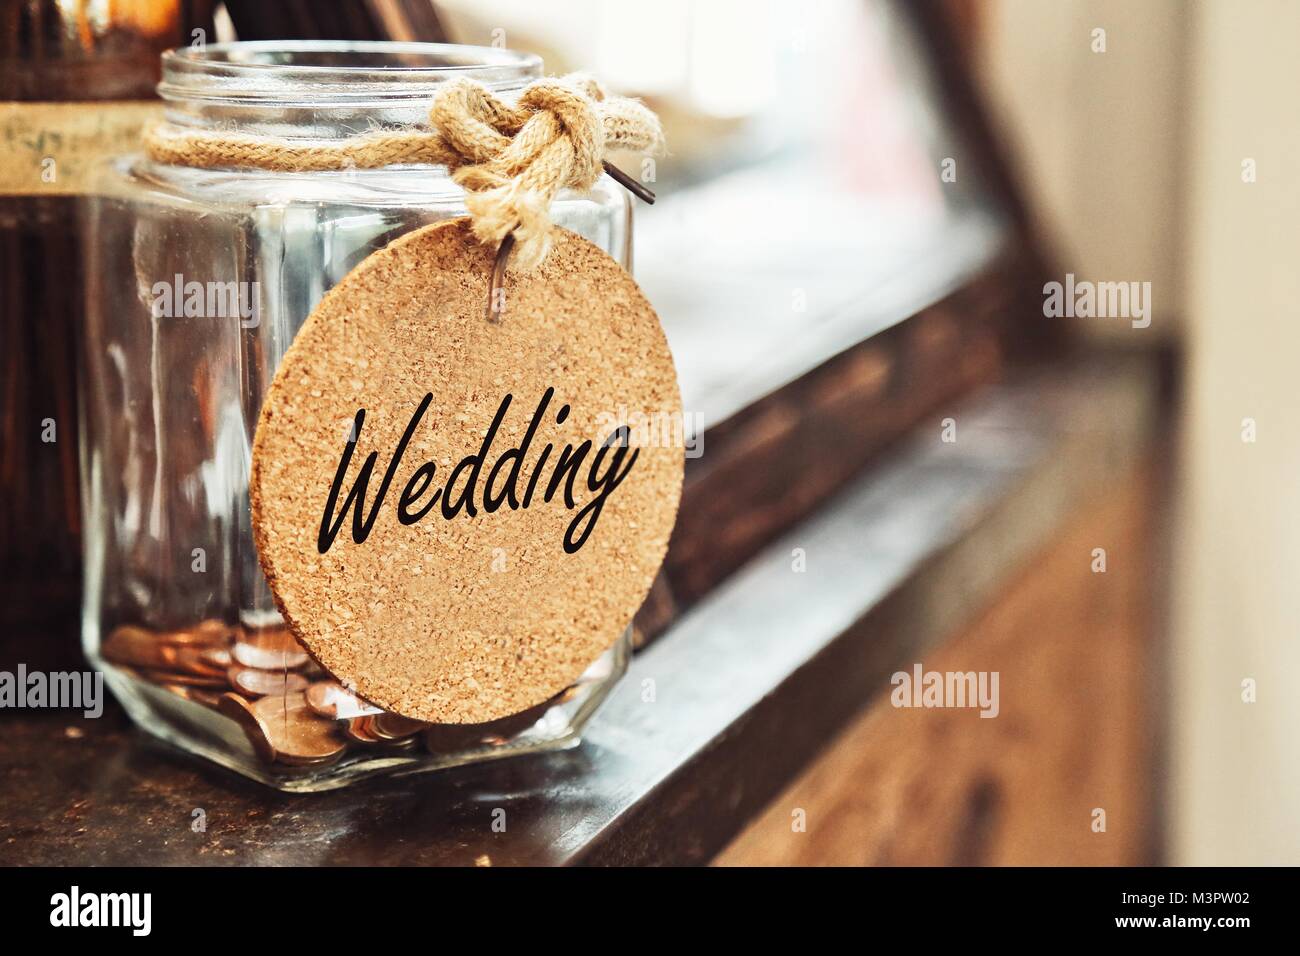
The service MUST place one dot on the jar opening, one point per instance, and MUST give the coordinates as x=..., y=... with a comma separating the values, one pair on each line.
x=328, y=72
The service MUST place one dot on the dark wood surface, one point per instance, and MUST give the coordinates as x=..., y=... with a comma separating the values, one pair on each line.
x=776, y=461
x=1076, y=652
x=749, y=685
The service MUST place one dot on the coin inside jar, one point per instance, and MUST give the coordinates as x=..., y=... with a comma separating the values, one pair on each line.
x=268, y=650
x=258, y=683
x=296, y=733
x=196, y=660
x=137, y=647
x=241, y=712
x=359, y=730
x=134, y=646
x=209, y=633
x=395, y=727
x=291, y=712
x=190, y=680
x=217, y=657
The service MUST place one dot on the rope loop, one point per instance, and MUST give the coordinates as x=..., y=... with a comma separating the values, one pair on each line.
x=511, y=160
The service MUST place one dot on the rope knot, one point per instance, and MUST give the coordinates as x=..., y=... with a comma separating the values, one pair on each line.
x=513, y=160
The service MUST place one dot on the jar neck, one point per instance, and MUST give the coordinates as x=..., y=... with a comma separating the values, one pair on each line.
x=323, y=89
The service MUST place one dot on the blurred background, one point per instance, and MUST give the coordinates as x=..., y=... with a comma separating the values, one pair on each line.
x=1130, y=160
x=837, y=168
x=1139, y=163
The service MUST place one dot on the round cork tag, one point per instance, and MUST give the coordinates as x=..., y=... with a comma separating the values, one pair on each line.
x=457, y=515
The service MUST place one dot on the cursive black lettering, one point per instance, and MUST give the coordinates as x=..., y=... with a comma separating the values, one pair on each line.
x=516, y=457
x=603, y=484
x=474, y=463
x=356, y=497
x=605, y=471
x=411, y=493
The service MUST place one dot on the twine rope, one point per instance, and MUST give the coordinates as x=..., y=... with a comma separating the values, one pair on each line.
x=511, y=160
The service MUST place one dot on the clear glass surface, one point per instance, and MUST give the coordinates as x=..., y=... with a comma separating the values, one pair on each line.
x=175, y=603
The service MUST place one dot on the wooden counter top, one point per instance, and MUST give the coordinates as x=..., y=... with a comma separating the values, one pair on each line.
x=713, y=719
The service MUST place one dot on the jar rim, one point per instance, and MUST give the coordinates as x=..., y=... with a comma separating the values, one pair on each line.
x=334, y=71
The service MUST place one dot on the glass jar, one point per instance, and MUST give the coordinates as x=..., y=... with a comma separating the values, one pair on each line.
x=176, y=611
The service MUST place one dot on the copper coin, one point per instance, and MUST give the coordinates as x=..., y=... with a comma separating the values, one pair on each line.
x=364, y=730
x=359, y=729
x=331, y=699
x=241, y=712
x=137, y=647
x=218, y=657
x=298, y=735
x=188, y=680
x=395, y=726
x=195, y=660
x=209, y=633
x=269, y=650
x=255, y=683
